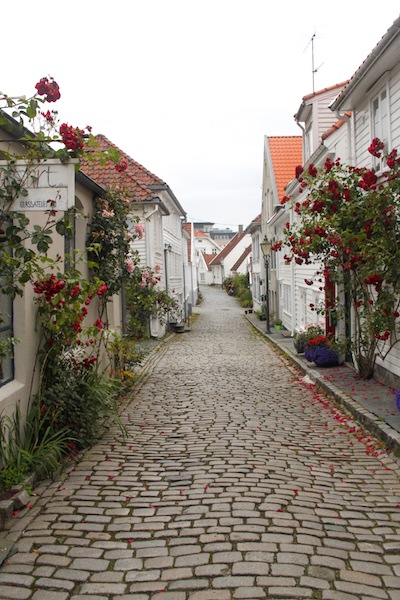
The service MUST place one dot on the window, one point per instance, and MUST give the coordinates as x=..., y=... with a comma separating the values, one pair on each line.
x=303, y=307
x=286, y=298
x=202, y=277
x=380, y=121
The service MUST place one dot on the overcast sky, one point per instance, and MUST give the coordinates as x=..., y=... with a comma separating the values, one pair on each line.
x=189, y=88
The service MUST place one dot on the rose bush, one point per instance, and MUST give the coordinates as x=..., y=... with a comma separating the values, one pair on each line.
x=348, y=220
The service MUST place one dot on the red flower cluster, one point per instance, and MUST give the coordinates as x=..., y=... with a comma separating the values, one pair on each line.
x=376, y=147
x=72, y=137
x=318, y=341
x=298, y=171
x=102, y=290
x=285, y=199
x=49, y=88
x=49, y=116
x=392, y=160
x=312, y=170
x=368, y=181
x=121, y=166
x=321, y=231
x=328, y=165
x=383, y=336
x=49, y=287
x=74, y=292
x=276, y=246
x=374, y=279
x=99, y=324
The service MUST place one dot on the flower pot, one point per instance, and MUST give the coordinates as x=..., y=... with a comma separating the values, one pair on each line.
x=278, y=327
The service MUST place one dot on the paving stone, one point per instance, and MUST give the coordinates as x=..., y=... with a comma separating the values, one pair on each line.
x=212, y=495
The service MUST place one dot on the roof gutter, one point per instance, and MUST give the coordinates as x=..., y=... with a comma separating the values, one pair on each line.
x=157, y=202
x=165, y=188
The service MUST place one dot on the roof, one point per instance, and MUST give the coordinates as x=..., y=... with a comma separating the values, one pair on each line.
x=335, y=126
x=306, y=104
x=208, y=259
x=200, y=234
x=324, y=90
x=218, y=258
x=382, y=59
x=241, y=258
x=286, y=153
x=107, y=177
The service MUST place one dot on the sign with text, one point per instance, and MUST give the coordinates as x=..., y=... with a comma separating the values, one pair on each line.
x=50, y=185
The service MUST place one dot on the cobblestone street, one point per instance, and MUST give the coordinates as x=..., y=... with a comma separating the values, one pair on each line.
x=238, y=480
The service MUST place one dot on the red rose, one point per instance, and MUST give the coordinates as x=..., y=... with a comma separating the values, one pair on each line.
x=298, y=171
x=312, y=171
x=49, y=88
x=72, y=137
x=376, y=147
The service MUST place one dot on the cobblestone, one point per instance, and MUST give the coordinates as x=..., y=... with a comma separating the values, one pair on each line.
x=238, y=480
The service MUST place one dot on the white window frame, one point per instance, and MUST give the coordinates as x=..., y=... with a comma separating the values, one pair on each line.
x=380, y=121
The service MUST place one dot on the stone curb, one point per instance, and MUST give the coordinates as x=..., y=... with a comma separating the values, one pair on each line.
x=381, y=430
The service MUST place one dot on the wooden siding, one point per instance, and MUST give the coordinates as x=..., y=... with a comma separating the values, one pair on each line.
x=394, y=104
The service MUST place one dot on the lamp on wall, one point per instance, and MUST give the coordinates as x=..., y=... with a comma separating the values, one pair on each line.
x=265, y=249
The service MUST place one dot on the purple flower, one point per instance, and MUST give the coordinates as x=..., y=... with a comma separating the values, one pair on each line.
x=397, y=396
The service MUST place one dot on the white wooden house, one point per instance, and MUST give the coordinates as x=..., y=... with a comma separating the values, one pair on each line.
x=221, y=265
x=160, y=213
x=17, y=381
x=281, y=155
x=373, y=98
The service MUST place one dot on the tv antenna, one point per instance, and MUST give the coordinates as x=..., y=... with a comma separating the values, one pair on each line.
x=313, y=69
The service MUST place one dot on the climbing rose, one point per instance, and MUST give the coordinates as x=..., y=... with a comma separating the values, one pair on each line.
x=102, y=290
x=369, y=180
x=139, y=230
x=48, y=88
x=298, y=171
x=376, y=147
x=312, y=171
x=72, y=137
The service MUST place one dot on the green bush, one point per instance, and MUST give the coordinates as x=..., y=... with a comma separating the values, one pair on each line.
x=241, y=289
x=78, y=398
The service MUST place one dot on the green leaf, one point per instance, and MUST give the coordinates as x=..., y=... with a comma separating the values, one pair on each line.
x=31, y=109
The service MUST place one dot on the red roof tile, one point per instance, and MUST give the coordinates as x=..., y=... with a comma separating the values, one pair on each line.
x=136, y=179
x=335, y=126
x=327, y=89
x=286, y=153
x=208, y=258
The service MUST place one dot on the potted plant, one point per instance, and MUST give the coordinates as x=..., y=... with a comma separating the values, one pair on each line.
x=302, y=336
x=320, y=351
x=278, y=324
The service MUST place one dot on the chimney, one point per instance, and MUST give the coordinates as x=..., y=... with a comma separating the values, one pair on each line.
x=240, y=229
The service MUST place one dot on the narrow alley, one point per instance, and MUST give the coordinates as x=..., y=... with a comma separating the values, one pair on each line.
x=238, y=480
